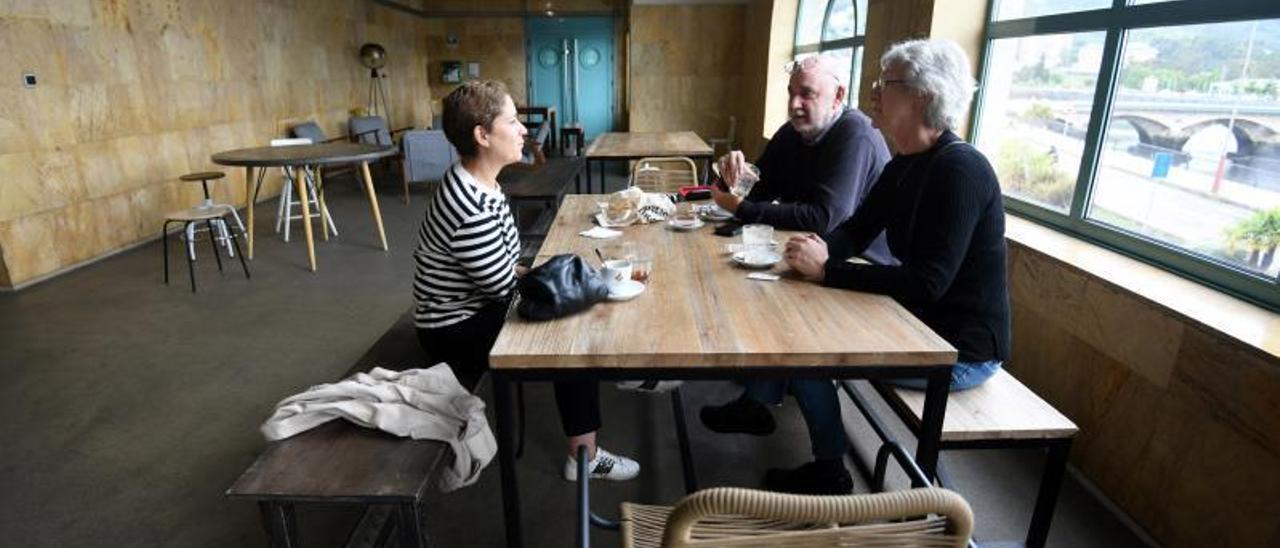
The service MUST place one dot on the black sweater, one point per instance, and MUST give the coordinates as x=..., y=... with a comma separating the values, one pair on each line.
x=944, y=219
x=819, y=185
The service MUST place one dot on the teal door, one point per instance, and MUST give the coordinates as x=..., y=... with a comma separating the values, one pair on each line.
x=570, y=62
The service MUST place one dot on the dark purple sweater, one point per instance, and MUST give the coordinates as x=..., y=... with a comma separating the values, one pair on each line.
x=818, y=186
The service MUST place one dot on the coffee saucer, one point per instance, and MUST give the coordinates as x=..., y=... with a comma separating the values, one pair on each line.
x=694, y=224
x=626, y=291
x=756, y=259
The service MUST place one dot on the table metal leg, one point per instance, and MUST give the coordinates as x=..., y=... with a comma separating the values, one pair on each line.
x=935, y=409
x=682, y=436
x=1055, y=466
x=281, y=526
x=588, y=176
x=249, y=195
x=507, y=460
x=373, y=203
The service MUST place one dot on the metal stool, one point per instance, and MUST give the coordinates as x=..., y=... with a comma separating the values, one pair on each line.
x=575, y=132
x=284, y=208
x=189, y=218
x=223, y=232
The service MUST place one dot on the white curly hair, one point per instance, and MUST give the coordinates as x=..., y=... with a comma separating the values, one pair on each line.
x=939, y=69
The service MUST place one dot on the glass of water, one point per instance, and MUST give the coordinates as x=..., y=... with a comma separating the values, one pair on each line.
x=746, y=180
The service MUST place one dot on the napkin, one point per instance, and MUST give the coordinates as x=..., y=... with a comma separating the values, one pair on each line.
x=600, y=233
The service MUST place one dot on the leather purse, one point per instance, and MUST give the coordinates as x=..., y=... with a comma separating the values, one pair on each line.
x=562, y=286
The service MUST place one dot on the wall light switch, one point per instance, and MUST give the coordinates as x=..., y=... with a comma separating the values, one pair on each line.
x=29, y=79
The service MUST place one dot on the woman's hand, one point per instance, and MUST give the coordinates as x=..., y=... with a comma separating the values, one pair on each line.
x=521, y=270
x=807, y=255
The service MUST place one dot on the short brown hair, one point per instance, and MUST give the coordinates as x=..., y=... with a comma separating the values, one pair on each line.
x=475, y=103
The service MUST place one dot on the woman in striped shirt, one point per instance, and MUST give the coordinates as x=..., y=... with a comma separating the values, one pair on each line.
x=466, y=265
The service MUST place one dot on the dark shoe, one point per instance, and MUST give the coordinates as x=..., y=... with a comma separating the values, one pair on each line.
x=740, y=416
x=820, y=477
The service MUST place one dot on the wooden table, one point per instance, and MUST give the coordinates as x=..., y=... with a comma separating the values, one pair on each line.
x=633, y=146
x=702, y=318
x=301, y=157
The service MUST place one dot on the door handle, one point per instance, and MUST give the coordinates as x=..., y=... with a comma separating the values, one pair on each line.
x=575, y=83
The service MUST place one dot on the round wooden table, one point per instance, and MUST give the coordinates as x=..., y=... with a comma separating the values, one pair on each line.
x=303, y=156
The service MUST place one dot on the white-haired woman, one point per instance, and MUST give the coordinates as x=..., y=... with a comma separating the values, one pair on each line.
x=938, y=201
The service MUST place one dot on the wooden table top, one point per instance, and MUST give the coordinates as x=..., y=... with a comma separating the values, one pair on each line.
x=310, y=155
x=700, y=310
x=639, y=145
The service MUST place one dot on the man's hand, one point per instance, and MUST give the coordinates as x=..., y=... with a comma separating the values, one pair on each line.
x=731, y=165
x=726, y=200
x=807, y=255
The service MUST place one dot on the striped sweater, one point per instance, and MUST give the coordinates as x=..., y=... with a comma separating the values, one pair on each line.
x=466, y=254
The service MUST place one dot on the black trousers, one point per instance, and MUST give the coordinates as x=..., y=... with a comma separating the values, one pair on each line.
x=465, y=347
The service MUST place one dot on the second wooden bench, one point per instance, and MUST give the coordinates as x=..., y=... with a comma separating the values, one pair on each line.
x=1002, y=413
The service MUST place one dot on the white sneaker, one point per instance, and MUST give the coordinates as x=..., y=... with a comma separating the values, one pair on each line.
x=606, y=465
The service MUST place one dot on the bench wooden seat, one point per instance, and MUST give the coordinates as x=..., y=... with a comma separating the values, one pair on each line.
x=1000, y=409
x=1002, y=413
x=341, y=462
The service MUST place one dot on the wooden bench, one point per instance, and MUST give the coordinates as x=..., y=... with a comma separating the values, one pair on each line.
x=1002, y=413
x=343, y=463
x=545, y=186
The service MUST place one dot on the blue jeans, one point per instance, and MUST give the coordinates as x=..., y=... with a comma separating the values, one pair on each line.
x=821, y=407
x=818, y=404
x=964, y=375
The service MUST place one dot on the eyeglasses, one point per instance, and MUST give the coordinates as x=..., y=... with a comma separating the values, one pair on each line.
x=880, y=83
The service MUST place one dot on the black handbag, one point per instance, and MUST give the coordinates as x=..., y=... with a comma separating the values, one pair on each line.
x=563, y=285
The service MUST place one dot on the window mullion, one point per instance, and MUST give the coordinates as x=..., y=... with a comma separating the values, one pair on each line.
x=1103, y=95
x=975, y=113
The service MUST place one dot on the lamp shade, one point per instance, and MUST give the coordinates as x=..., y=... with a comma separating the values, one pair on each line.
x=373, y=56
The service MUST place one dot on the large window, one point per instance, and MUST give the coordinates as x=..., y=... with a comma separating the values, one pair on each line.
x=836, y=28
x=1150, y=126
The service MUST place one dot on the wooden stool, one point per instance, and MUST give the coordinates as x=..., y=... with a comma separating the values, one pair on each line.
x=189, y=218
x=574, y=132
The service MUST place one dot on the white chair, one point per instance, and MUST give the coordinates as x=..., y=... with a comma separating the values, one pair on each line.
x=219, y=225
x=284, y=210
x=664, y=175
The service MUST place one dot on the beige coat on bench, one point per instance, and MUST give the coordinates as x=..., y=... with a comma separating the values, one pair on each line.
x=423, y=404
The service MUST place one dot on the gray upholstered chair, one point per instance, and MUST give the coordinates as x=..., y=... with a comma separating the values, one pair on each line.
x=426, y=155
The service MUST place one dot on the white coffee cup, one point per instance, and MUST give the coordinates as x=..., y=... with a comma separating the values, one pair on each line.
x=616, y=273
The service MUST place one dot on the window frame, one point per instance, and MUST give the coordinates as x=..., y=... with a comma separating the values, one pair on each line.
x=855, y=43
x=1115, y=21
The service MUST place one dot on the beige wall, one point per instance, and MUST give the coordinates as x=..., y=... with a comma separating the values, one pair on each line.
x=134, y=94
x=497, y=43
x=686, y=67
x=1179, y=425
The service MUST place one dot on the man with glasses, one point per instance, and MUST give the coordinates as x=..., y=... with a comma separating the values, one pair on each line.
x=814, y=173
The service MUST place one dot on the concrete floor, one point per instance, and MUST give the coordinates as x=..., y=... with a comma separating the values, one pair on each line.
x=130, y=406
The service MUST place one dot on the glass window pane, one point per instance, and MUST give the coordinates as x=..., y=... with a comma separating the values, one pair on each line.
x=841, y=23
x=1017, y=9
x=809, y=25
x=1037, y=100
x=855, y=79
x=862, y=16
x=1192, y=153
x=844, y=60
